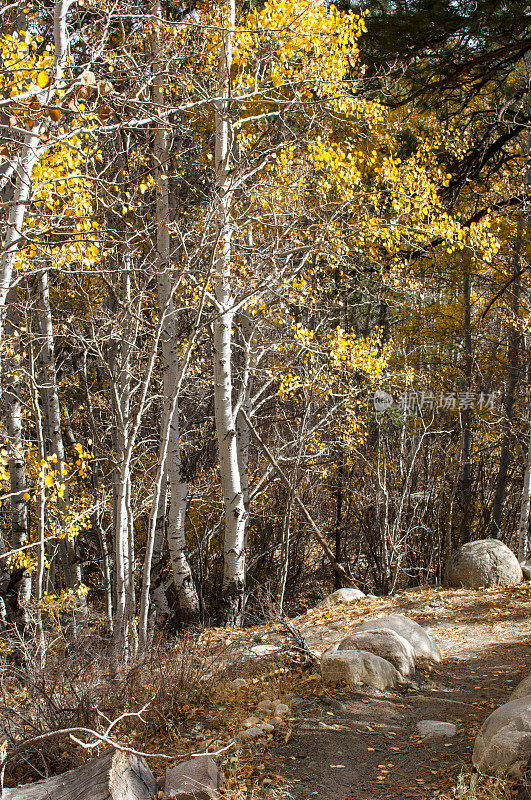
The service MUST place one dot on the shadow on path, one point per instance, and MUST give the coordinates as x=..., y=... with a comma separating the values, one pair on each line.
x=353, y=746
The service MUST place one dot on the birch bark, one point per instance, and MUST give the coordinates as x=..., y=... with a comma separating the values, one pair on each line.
x=182, y=575
x=120, y=366
x=39, y=574
x=17, y=464
x=15, y=221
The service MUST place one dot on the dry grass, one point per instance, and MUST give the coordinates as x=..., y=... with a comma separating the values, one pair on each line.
x=185, y=683
x=471, y=786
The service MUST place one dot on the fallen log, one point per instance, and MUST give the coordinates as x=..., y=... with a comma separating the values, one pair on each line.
x=114, y=776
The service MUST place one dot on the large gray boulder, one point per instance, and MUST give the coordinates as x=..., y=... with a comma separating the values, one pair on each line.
x=423, y=645
x=503, y=744
x=484, y=563
x=385, y=643
x=346, y=595
x=357, y=667
x=196, y=779
x=523, y=689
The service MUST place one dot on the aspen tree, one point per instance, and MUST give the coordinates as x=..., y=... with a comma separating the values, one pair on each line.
x=175, y=534
x=235, y=515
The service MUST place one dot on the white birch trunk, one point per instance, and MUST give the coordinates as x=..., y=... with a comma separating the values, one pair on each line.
x=15, y=220
x=29, y=155
x=127, y=427
x=175, y=533
x=39, y=574
x=235, y=518
x=52, y=424
x=17, y=464
x=245, y=402
x=170, y=451
x=120, y=371
x=121, y=530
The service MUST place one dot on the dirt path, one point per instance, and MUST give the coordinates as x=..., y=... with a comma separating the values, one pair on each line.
x=353, y=746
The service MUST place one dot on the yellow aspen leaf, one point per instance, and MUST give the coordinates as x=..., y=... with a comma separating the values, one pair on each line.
x=43, y=79
x=27, y=496
x=48, y=480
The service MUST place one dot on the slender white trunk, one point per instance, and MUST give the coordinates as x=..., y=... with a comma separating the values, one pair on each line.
x=15, y=220
x=120, y=370
x=169, y=451
x=17, y=465
x=29, y=155
x=39, y=574
x=159, y=488
x=175, y=534
x=245, y=402
x=52, y=423
x=121, y=532
x=128, y=426
x=235, y=518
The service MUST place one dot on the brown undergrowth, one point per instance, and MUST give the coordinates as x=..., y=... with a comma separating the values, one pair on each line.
x=184, y=686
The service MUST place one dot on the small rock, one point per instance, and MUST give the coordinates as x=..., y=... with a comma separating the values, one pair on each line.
x=297, y=701
x=280, y=709
x=251, y=721
x=526, y=570
x=346, y=595
x=264, y=649
x=264, y=705
x=335, y=726
x=276, y=722
x=238, y=683
x=250, y=733
x=432, y=728
x=197, y=779
x=267, y=727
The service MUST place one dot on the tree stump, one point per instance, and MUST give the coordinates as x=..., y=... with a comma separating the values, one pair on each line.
x=114, y=776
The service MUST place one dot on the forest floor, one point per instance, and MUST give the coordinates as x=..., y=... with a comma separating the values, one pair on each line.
x=346, y=745
x=335, y=744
